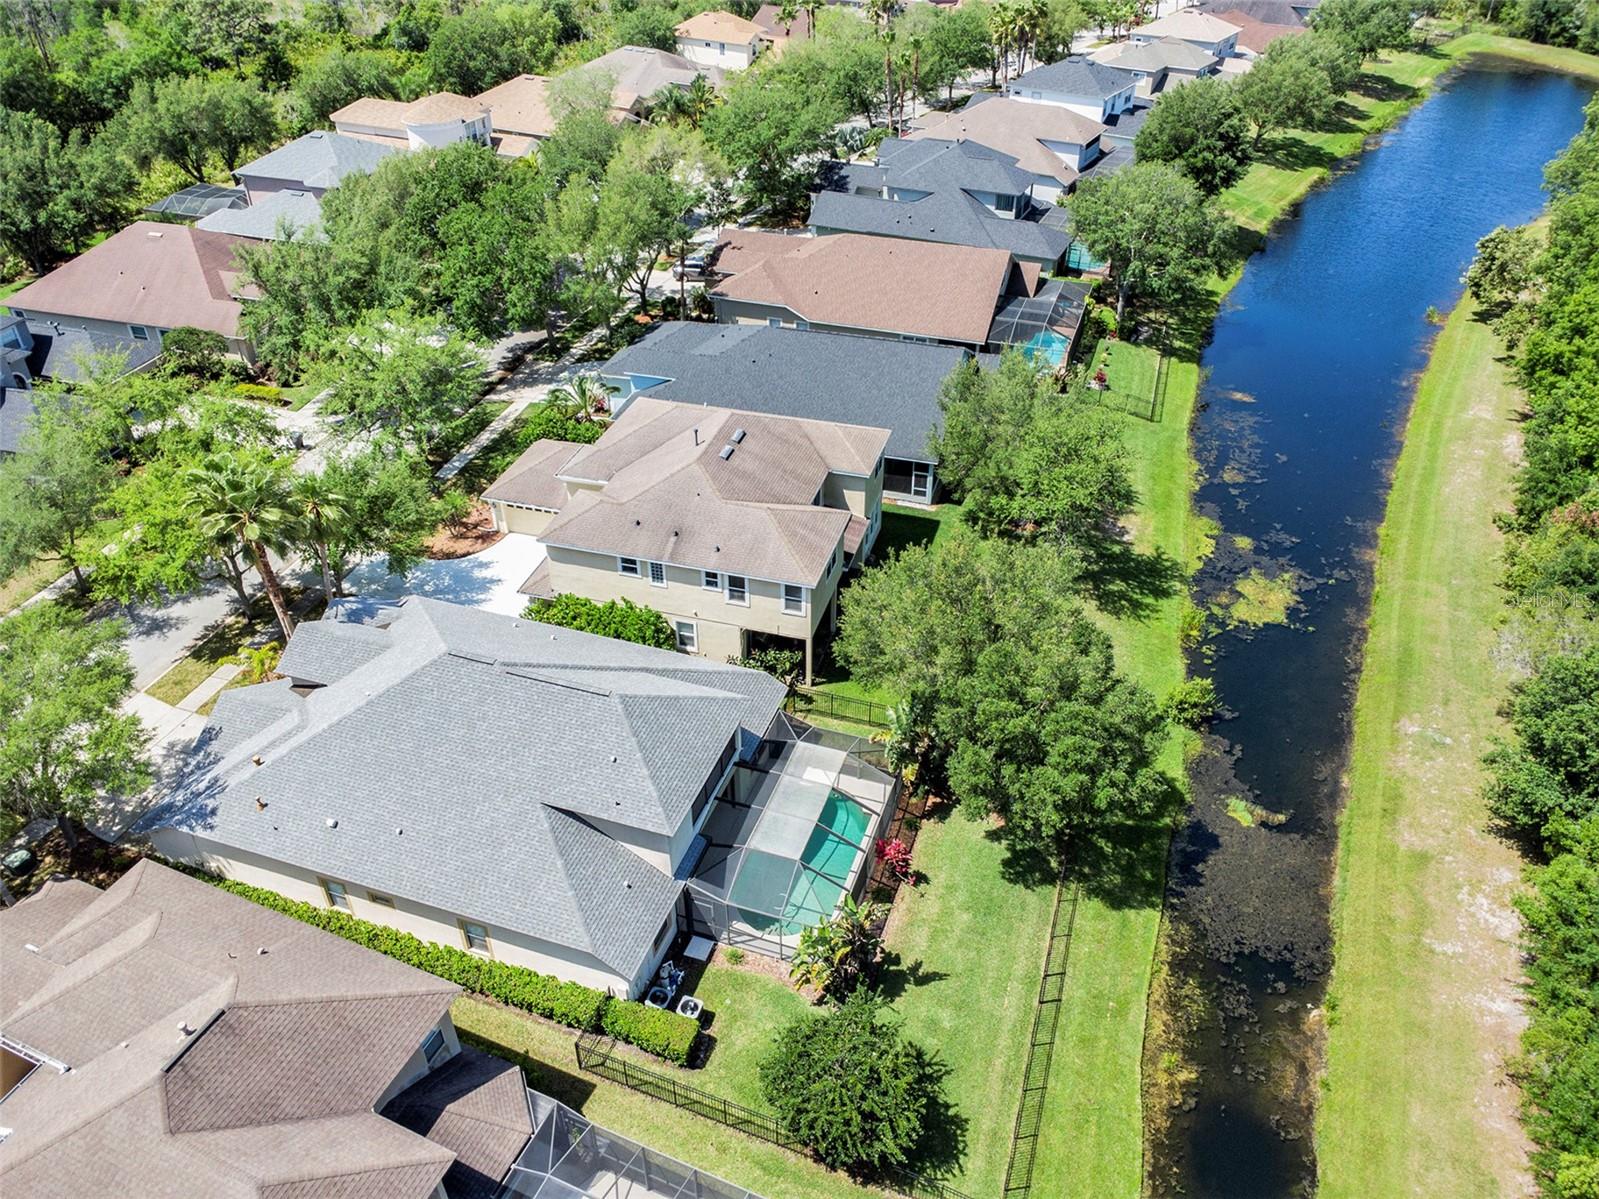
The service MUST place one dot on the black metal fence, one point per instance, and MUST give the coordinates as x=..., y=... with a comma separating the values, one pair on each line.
x=806, y=701
x=1041, y=1045
x=597, y=1055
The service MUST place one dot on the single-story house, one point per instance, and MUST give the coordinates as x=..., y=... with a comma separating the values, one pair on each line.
x=1088, y=88
x=163, y=1037
x=1053, y=143
x=1204, y=30
x=368, y=778
x=733, y=524
x=954, y=192
x=313, y=163
x=637, y=73
x=1159, y=65
x=275, y=216
x=889, y=287
x=1254, y=35
x=816, y=376
x=124, y=294
x=719, y=39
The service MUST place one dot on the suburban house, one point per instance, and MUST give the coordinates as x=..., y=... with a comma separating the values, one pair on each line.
x=1268, y=12
x=312, y=163
x=1086, y=87
x=511, y=118
x=276, y=216
x=719, y=39
x=814, y=376
x=954, y=192
x=1122, y=130
x=123, y=295
x=1254, y=35
x=1159, y=65
x=1203, y=30
x=162, y=1037
x=638, y=73
x=734, y=524
x=889, y=287
x=1054, y=144
x=774, y=34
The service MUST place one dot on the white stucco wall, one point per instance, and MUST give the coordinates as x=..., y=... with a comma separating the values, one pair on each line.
x=734, y=56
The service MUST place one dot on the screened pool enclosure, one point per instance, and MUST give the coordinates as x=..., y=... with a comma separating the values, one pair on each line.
x=792, y=836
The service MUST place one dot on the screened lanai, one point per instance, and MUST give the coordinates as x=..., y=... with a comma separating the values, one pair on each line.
x=793, y=836
x=569, y=1158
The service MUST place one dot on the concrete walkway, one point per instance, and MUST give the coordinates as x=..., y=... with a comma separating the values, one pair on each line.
x=530, y=383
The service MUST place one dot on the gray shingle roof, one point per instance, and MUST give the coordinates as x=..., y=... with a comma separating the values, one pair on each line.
x=434, y=802
x=1271, y=12
x=317, y=159
x=790, y=372
x=16, y=409
x=269, y=217
x=1073, y=76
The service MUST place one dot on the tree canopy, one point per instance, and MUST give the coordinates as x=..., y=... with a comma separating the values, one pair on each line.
x=621, y=619
x=1200, y=127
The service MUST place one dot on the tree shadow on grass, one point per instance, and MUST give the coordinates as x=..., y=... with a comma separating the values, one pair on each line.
x=1383, y=88
x=942, y=1147
x=1123, y=865
x=1124, y=581
x=895, y=977
x=1296, y=154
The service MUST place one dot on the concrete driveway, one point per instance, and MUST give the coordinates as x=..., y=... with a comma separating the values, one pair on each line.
x=487, y=580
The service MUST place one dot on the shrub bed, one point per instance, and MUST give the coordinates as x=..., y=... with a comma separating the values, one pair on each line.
x=664, y=1034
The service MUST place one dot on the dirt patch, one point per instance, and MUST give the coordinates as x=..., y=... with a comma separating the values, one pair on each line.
x=472, y=535
x=96, y=862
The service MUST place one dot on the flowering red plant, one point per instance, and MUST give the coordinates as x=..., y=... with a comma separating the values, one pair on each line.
x=896, y=856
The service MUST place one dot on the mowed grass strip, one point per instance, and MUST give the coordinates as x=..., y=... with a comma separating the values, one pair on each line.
x=1422, y=1000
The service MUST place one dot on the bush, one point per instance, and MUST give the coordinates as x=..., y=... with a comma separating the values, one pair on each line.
x=199, y=353
x=259, y=391
x=622, y=619
x=665, y=1034
x=734, y=956
x=1191, y=703
x=782, y=664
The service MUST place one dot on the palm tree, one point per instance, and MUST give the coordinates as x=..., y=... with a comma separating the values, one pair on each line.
x=245, y=500
x=887, y=37
x=323, y=514
x=878, y=12
x=787, y=14
x=582, y=397
x=1001, y=21
x=916, y=43
x=670, y=104
x=810, y=8
x=701, y=98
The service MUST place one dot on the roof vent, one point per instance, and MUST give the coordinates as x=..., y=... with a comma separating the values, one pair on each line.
x=399, y=832
x=738, y=436
x=258, y=759
x=332, y=823
x=31, y=948
x=260, y=804
x=185, y=1028
x=261, y=952
x=152, y=233
x=727, y=452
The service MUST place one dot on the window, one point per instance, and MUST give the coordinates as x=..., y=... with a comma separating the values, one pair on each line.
x=774, y=322
x=688, y=637
x=433, y=1045
x=713, y=581
x=793, y=598
x=337, y=896
x=382, y=901
x=627, y=566
x=476, y=937
x=802, y=324
x=738, y=589
x=657, y=574
x=140, y=333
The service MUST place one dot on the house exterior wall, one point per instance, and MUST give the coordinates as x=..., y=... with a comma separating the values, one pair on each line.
x=1221, y=49
x=417, y=1064
x=727, y=55
x=448, y=133
x=720, y=623
x=257, y=186
x=510, y=518
x=408, y=915
x=236, y=345
x=361, y=129
x=747, y=312
x=1094, y=108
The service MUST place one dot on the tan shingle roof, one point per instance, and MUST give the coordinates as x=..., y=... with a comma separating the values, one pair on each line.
x=477, y=1107
x=530, y=481
x=670, y=496
x=151, y=274
x=1188, y=24
x=369, y=110
x=719, y=27
x=214, y=1048
x=520, y=105
x=1019, y=129
x=441, y=107
x=925, y=289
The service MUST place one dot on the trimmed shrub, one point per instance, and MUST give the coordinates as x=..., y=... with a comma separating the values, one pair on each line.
x=259, y=391
x=664, y=1034
x=622, y=619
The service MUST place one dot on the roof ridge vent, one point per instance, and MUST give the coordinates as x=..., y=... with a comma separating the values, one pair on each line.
x=466, y=657
x=531, y=676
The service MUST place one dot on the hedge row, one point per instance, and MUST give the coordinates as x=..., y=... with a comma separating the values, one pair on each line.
x=664, y=1034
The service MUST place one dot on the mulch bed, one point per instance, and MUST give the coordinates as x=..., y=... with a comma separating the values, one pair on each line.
x=96, y=862
x=472, y=535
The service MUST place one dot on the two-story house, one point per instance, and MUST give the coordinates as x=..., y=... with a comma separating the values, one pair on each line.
x=1203, y=30
x=1078, y=83
x=1157, y=66
x=734, y=524
x=521, y=791
x=1054, y=144
x=956, y=192
x=719, y=39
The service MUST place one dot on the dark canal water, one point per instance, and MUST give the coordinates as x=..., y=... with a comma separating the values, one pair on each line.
x=1311, y=370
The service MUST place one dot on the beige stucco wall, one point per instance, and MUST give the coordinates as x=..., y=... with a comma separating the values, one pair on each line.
x=684, y=596
x=417, y=1064
x=420, y=919
x=512, y=519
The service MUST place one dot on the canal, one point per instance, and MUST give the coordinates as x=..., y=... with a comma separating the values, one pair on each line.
x=1310, y=373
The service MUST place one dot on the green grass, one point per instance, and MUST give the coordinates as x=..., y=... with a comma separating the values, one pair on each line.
x=217, y=648
x=551, y=1065
x=1423, y=982
x=16, y=285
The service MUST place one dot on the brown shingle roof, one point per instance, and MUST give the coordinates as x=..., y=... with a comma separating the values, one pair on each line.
x=1019, y=129
x=1257, y=35
x=530, y=481
x=670, y=496
x=152, y=274
x=213, y=1048
x=369, y=110
x=520, y=105
x=475, y=1106
x=925, y=289
x=441, y=107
